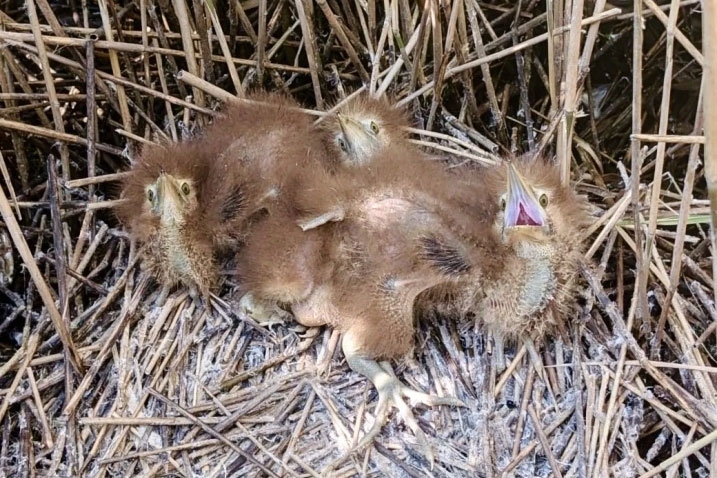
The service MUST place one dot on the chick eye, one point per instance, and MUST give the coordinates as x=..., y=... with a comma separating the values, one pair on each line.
x=343, y=145
x=502, y=204
x=150, y=195
x=374, y=127
x=186, y=189
x=543, y=200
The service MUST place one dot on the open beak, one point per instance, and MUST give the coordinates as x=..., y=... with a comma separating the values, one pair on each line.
x=522, y=207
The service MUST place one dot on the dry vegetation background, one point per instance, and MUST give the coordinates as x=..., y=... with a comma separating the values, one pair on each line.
x=139, y=390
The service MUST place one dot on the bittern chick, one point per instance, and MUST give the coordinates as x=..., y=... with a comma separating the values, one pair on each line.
x=362, y=275
x=275, y=148
x=539, y=228
x=372, y=133
x=163, y=209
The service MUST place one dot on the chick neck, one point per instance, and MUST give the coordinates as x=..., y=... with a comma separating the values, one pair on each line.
x=172, y=233
x=172, y=216
x=539, y=282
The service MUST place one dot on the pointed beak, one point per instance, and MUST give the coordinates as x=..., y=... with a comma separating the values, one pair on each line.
x=168, y=193
x=342, y=122
x=350, y=127
x=522, y=207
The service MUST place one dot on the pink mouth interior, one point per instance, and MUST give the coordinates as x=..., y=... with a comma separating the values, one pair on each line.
x=525, y=219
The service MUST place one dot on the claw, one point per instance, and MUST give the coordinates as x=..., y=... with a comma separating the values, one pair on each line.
x=265, y=314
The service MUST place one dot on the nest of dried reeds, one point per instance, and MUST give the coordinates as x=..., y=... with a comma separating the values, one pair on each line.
x=95, y=380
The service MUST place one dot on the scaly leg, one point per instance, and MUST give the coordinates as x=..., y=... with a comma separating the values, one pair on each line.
x=391, y=392
x=499, y=352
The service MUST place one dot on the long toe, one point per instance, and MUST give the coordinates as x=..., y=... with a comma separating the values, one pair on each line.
x=417, y=397
x=264, y=314
x=409, y=419
x=384, y=404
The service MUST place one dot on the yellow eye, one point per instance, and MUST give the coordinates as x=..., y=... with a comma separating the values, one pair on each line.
x=150, y=195
x=186, y=189
x=543, y=200
x=374, y=127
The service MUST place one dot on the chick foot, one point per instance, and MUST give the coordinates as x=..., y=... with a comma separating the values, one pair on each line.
x=392, y=393
x=264, y=313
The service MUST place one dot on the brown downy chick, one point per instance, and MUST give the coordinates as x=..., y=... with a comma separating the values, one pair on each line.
x=164, y=197
x=362, y=275
x=249, y=160
x=539, y=232
x=364, y=128
x=368, y=135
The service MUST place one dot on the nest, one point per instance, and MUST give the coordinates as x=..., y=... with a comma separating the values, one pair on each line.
x=96, y=380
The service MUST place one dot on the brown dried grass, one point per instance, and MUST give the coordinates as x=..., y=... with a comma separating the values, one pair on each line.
x=97, y=381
